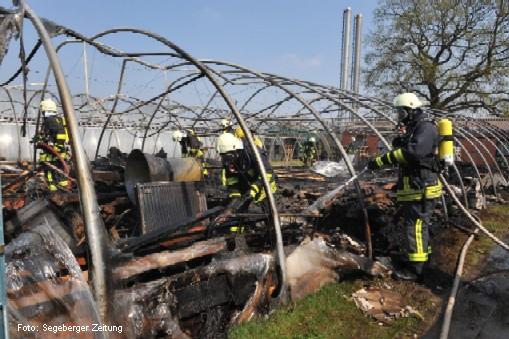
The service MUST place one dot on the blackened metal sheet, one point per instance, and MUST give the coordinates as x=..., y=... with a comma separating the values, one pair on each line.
x=165, y=204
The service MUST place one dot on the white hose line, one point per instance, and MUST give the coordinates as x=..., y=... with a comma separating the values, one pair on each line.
x=444, y=333
x=469, y=216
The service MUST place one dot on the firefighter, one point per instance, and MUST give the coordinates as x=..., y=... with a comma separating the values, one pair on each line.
x=54, y=134
x=240, y=175
x=308, y=151
x=239, y=133
x=191, y=146
x=418, y=186
x=227, y=126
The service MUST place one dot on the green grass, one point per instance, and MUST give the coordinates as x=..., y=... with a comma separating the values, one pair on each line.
x=330, y=313
x=495, y=218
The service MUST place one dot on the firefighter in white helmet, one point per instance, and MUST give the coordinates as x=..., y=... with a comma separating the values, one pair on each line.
x=53, y=134
x=308, y=152
x=240, y=174
x=227, y=125
x=418, y=187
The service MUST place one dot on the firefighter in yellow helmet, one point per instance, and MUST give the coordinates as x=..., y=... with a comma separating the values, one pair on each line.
x=418, y=187
x=240, y=174
x=191, y=146
x=239, y=133
x=53, y=134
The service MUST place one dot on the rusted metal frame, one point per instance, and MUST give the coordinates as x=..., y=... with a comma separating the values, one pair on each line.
x=170, y=89
x=357, y=99
x=108, y=118
x=98, y=240
x=343, y=106
x=497, y=137
x=465, y=131
x=481, y=155
x=249, y=137
x=349, y=165
x=108, y=50
x=18, y=132
x=255, y=93
x=497, y=131
x=200, y=115
x=156, y=109
x=189, y=109
x=462, y=185
x=472, y=162
x=273, y=107
x=499, y=150
x=302, y=101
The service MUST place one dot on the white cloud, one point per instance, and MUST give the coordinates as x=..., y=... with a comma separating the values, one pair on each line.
x=302, y=62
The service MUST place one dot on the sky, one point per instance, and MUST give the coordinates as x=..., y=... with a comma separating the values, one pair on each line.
x=295, y=38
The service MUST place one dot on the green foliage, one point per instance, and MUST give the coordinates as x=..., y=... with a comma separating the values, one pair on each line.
x=330, y=313
x=452, y=53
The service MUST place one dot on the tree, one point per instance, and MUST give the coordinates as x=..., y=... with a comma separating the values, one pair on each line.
x=454, y=53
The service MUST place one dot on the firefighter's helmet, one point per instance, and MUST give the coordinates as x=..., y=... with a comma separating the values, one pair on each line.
x=48, y=107
x=409, y=100
x=228, y=142
x=178, y=135
x=226, y=123
x=239, y=132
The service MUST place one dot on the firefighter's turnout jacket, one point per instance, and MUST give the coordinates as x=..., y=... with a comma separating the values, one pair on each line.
x=240, y=174
x=308, y=153
x=191, y=146
x=54, y=133
x=418, y=186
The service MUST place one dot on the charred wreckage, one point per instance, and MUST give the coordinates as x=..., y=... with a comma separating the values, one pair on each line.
x=138, y=243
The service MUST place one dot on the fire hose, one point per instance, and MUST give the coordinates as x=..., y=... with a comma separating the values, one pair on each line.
x=49, y=149
x=452, y=297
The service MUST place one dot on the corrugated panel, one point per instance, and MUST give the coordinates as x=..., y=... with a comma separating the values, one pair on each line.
x=165, y=204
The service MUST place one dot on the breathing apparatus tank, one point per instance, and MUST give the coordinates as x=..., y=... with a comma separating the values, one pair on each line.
x=446, y=146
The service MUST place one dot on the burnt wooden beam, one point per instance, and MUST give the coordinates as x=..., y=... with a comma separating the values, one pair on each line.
x=163, y=259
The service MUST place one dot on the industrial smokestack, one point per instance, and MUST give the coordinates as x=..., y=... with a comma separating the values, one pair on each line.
x=356, y=64
x=345, y=49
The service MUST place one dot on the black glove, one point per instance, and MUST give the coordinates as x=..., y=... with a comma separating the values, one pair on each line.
x=372, y=165
x=397, y=142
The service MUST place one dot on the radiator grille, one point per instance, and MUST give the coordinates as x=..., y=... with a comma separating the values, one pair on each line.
x=165, y=204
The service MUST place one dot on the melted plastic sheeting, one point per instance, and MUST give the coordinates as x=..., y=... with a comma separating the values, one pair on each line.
x=329, y=169
x=314, y=264
x=45, y=288
x=7, y=30
x=148, y=310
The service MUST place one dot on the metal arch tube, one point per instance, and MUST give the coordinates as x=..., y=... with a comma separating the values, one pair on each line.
x=343, y=106
x=357, y=99
x=482, y=158
x=170, y=89
x=501, y=135
x=492, y=134
x=249, y=137
x=471, y=135
x=98, y=240
x=472, y=162
x=349, y=165
x=460, y=179
x=119, y=88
